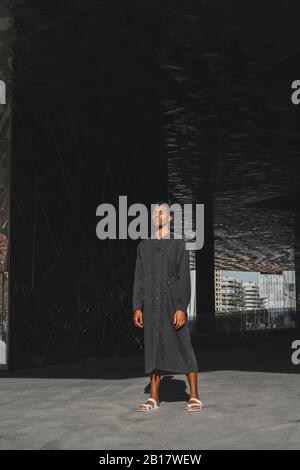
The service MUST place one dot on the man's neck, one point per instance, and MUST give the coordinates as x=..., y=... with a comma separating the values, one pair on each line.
x=162, y=232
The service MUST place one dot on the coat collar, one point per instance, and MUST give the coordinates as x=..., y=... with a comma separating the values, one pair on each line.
x=161, y=244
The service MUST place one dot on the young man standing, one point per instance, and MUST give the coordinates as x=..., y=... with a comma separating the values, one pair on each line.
x=161, y=295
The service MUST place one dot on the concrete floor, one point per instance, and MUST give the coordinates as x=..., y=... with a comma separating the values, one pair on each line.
x=251, y=394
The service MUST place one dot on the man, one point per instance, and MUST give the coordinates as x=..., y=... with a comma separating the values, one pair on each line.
x=161, y=295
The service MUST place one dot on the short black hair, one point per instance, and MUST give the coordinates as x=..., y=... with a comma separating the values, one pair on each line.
x=162, y=201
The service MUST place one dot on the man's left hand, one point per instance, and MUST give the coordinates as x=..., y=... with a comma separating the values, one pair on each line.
x=179, y=319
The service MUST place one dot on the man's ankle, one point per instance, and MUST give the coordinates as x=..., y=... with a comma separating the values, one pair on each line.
x=154, y=396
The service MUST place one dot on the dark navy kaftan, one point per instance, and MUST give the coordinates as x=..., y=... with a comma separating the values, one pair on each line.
x=162, y=285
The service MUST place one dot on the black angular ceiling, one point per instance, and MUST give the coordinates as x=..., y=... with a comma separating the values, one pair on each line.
x=224, y=71
x=232, y=131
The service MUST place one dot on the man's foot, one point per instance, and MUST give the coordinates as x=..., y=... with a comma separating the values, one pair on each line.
x=145, y=406
x=194, y=404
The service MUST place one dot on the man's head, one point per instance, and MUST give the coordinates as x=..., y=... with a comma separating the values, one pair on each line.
x=161, y=213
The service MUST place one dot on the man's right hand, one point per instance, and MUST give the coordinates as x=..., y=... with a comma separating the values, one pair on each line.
x=138, y=318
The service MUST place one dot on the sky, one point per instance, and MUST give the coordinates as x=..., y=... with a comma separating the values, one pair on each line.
x=242, y=275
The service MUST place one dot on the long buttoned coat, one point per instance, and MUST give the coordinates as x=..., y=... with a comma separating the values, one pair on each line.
x=162, y=285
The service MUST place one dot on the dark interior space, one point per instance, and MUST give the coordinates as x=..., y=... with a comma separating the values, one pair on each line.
x=190, y=102
x=87, y=126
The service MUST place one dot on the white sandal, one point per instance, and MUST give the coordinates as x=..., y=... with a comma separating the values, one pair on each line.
x=148, y=406
x=194, y=406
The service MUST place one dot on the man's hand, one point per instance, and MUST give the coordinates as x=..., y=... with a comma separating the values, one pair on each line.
x=179, y=319
x=138, y=318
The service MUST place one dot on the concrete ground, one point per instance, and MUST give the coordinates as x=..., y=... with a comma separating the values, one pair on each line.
x=251, y=393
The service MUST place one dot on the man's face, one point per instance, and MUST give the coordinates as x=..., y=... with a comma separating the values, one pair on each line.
x=160, y=215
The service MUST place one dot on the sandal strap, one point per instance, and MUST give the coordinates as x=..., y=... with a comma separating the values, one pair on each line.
x=196, y=400
x=148, y=404
x=152, y=399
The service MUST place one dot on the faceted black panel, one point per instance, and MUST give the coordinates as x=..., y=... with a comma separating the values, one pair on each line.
x=86, y=129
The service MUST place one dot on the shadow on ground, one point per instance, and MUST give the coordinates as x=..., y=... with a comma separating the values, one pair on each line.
x=267, y=352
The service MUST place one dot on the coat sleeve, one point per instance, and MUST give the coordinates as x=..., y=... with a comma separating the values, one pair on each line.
x=183, y=278
x=138, y=285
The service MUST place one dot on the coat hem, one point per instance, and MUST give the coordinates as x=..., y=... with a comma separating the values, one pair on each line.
x=164, y=371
